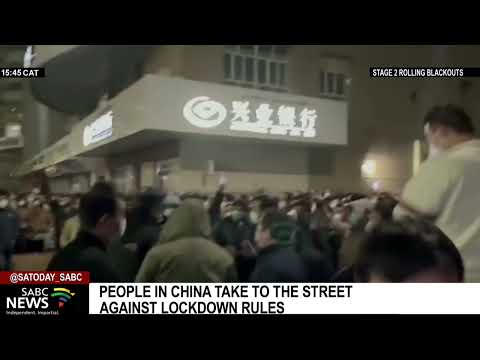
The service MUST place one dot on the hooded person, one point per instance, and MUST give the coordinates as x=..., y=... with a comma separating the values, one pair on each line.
x=184, y=252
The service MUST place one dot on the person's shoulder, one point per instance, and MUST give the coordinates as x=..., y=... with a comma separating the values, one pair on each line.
x=216, y=251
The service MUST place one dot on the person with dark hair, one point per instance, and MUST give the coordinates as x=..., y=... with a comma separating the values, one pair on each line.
x=408, y=251
x=185, y=253
x=236, y=233
x=277, y=260
x=446, y=188
x=146, y=222
x=9, y=230
x=100, y=222
x=382, y=211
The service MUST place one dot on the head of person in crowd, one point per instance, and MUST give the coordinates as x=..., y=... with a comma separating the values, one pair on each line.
x=37, y=203
x=274, y=228
x=382, y=211
x=22, y=203
x=100, y=214
x=189, y=220
x=4, y=199
x=260, y=205
x=319, y=215
x=74, y=201
x=239, y=210
x=226, y=205
x=168, y=206
x=149, y=206
x=64, y=202
x=447, y=126
x=408, y=251
x=300, y=209
x=284, y=201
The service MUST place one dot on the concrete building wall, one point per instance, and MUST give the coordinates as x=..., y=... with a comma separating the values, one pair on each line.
x=385, y=116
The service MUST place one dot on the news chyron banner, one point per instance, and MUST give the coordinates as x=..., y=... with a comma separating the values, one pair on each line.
x=43, y=293
x=66, y=294
x=283, y=299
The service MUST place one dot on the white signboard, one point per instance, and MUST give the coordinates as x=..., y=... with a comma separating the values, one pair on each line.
x=283, y=120
x=100, y=129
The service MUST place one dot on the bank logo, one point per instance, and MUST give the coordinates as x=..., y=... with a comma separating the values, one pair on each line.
x=204, y=113
x=283, y=120
x=62, y=295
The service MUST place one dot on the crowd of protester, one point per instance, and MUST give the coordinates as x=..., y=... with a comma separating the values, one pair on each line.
x=292, y=237
x=225, y=237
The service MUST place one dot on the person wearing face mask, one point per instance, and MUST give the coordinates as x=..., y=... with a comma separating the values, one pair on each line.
x=9, y=230
x=445, y=188
x=122, y=257
x=299, y=211
x=235, y=232
x=215, y=206
x=154, y=209
x=41, y=224
x=100, y=219
x=312, y=246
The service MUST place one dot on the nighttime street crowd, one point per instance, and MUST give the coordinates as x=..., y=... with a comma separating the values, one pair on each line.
x=322, y=236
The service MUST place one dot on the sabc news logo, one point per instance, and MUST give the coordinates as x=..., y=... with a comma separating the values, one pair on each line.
x=38, y=299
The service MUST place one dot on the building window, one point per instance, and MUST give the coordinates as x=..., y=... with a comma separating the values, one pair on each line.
x=256, y=66
x=332, y=84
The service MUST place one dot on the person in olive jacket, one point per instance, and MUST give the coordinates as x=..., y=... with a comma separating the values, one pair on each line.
x=185, y=252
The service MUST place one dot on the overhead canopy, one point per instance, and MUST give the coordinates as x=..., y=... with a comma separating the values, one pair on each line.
x=76, y=79
x=165, y=108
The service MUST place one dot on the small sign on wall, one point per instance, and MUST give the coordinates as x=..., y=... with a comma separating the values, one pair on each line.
x=211, y=167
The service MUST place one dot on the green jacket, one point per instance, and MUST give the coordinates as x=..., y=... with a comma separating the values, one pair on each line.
x=184, y=252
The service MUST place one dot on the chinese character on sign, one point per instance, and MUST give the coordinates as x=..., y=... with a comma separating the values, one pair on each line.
x=205, y=113
x=264, y=112
x=307, y=119
x=286, y=121
x=241, y=116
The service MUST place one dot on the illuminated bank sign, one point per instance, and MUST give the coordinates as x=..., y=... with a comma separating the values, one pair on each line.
x=281, y=120
x=100, y=129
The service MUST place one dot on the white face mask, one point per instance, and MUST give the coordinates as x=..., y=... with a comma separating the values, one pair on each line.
x=282, y=204
x=337, y=218
x=370, y=225
x=253, y=217
x=123, y=226
x=236, y=214
x=3, y=203
x=168, y=212
x=293, y=214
